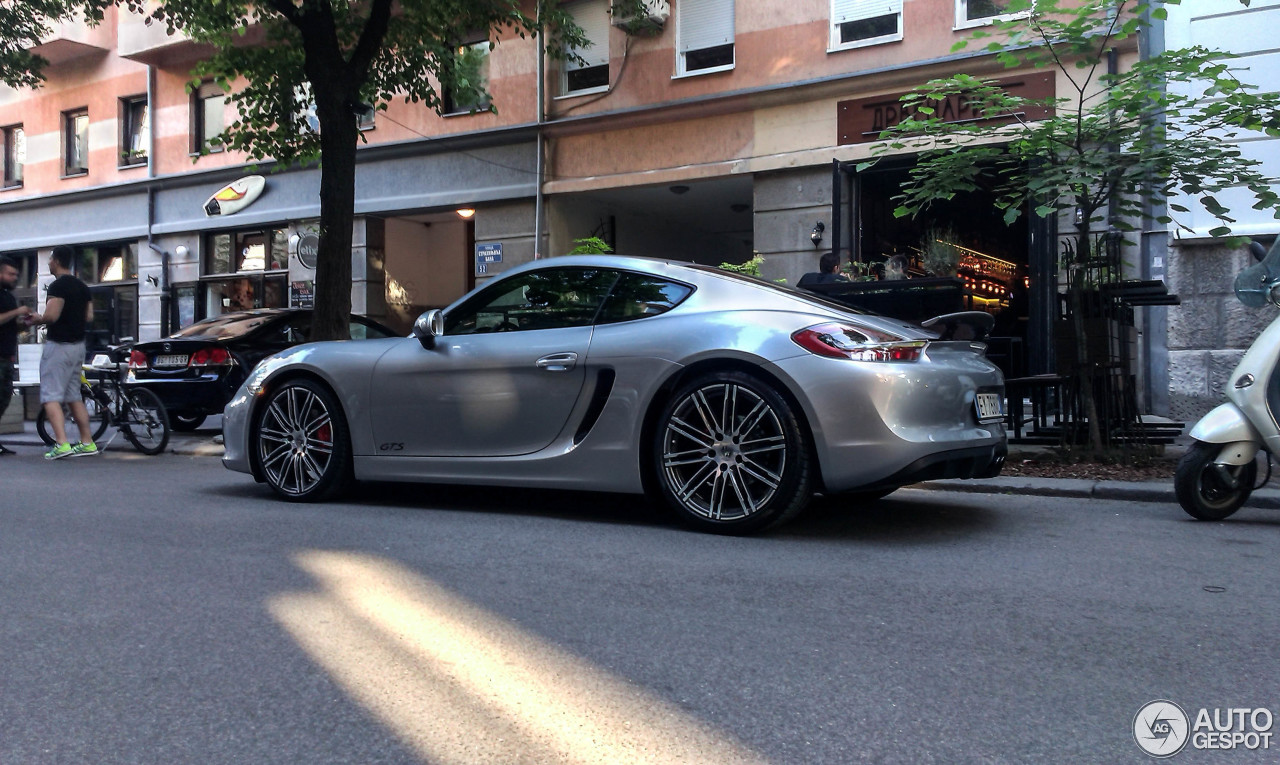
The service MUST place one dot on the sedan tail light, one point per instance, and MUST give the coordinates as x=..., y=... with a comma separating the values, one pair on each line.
x=137, y=360
x=212, y=357
x=843, y=341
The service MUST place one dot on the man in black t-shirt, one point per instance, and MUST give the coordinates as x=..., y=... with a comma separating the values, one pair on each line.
x=10, y=314
x=68, y=311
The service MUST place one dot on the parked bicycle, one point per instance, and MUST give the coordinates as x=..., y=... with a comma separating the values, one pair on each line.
x=136, y=412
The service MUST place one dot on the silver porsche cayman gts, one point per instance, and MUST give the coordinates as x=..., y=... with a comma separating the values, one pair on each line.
x=731, y=399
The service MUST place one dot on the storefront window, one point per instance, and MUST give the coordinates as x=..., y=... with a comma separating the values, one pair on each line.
x=243, y=270
x=233, y=252
x=107, y=263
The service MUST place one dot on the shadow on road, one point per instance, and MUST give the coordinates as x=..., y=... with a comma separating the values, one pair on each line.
x=893, y=519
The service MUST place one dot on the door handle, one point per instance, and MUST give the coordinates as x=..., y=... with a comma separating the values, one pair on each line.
x=558, y=362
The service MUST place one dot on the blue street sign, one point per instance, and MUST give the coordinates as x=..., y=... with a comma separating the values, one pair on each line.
x=487, y=255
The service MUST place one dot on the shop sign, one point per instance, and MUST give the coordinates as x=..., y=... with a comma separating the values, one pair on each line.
x=487, y=255
x=862, y=119
x=302, y=294
x=235, y=196
x=308, y=250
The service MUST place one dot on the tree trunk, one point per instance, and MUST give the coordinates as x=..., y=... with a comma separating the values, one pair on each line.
x=1084, y=371
x=338, y=136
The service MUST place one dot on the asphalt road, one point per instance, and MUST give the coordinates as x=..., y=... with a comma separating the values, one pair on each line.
x=163, y=610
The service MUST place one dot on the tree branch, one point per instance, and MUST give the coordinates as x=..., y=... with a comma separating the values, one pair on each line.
x=371, y=37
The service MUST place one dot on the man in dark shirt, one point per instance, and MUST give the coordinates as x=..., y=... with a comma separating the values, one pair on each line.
x=828, y=271
x=10, y=314
x=68, y=311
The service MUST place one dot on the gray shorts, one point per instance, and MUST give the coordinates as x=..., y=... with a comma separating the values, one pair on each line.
x=60, y=367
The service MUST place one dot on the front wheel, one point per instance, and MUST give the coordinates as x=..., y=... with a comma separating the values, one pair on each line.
x=730, y=455
x=1209, y=491
x=145, y=422
x=301, y=442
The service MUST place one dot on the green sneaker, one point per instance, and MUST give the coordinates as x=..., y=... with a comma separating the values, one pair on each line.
x=84, y=450
x=58, y=452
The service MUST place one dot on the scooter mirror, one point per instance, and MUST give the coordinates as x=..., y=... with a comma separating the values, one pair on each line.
x=1254, y=284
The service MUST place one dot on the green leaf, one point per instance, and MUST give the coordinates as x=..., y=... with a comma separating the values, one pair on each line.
x=1220, y=231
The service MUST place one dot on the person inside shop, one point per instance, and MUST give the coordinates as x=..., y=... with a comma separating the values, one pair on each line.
x=828, y=271
x=895, y=267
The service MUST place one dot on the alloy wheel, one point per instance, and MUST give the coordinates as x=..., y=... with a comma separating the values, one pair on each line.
x=295, y=440
x=724, y=452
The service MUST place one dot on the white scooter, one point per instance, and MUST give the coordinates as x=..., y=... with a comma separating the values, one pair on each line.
x=1219, y=472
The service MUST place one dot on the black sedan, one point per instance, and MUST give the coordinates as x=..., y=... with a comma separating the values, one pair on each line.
x=196, y=370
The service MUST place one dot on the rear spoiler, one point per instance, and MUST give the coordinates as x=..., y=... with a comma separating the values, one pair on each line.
x=963, y=325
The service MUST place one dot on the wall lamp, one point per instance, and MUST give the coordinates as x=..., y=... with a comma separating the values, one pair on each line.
x=815, y=235
x=465, y=212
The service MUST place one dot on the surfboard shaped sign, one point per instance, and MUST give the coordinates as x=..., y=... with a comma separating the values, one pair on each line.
x=235, y=196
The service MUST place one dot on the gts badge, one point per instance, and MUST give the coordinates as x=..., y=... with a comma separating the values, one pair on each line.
x=391, y=447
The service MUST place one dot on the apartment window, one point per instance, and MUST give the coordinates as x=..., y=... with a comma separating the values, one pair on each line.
x=75, y=150
x=855, y=23
x=135, y=131
x=15, y=155
x=469, y=90
x=972, y=13
x=208, y=118
x=704, y=36
x=592, y=73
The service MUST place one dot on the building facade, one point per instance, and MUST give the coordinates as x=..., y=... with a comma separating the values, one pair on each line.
x=714, y=131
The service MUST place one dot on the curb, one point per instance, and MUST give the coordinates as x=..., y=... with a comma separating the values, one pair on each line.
x=1145, y=491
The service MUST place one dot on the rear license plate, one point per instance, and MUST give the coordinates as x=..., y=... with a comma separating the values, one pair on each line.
x=989, y=407
x=172, y=360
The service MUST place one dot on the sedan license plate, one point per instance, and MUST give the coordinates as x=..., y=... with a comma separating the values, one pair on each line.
x=989, y=407
x=171, y=360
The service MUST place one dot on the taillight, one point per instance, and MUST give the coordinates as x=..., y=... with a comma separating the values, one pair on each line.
x=137, y=360
x=841, y=341
x=212, y=357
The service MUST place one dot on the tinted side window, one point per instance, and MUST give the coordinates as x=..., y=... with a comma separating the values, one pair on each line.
x=360, y=331
x=547, y=299
x=636, y=296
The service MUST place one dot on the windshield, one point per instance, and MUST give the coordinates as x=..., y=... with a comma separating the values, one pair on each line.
x=224, y=327
x=1253, y=285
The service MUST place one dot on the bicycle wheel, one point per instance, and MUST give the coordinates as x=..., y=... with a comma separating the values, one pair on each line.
x=99, y=418
x=144, y=421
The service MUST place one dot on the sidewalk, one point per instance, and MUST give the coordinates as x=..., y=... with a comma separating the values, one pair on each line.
x=197, y=444
x=201, y=444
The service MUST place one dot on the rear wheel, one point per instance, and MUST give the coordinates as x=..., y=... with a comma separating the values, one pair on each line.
x=1209, y=491
x=301, y=442
x=145, y=422
x=98, y=419
x=730, y=455
x=185, y=423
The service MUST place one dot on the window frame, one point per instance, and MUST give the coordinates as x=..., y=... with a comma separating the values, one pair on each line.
x=451, y=109
x=273, y=237
x=70, y=137
x=15, y=138
x=568, y=66
x=682, y=54
x=131, y=133
x=201, y=143
x=963, y=21
x=835, y=44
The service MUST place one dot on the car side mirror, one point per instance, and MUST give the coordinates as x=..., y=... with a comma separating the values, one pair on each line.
x=428, y=327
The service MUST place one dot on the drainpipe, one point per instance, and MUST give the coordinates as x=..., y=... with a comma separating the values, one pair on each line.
x=540, y=142
x=151, y=201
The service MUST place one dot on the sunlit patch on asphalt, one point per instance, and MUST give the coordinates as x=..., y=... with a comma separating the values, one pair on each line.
x=458, y=684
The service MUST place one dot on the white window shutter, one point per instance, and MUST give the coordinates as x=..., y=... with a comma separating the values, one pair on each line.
x=843, y=11
x=704, y=24
x=593, y=17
